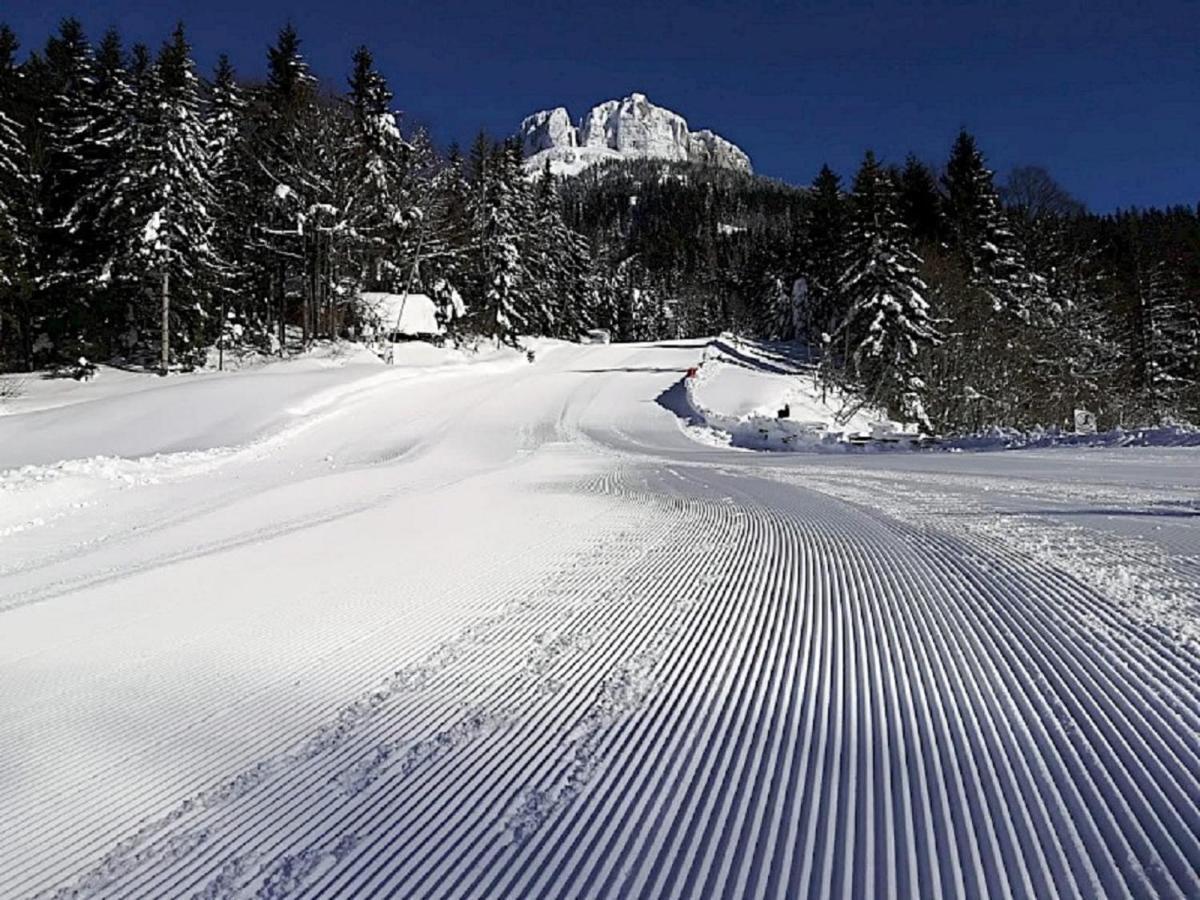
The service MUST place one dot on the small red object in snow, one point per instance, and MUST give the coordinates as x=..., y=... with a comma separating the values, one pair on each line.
x=691, y=372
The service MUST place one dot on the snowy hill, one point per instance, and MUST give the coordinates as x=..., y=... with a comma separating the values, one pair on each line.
x=631, y=128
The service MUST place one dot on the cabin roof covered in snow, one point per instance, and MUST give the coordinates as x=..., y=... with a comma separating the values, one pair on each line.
x=396, y=314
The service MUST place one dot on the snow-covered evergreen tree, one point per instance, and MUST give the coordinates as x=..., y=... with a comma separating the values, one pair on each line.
x=67, y=120
x=791, y=300
x=561, y=293
x=324, y=202
x=500, y=217
x=110, y=126
x=578, y=292
x=641, y=303
x=377, y=149
x=240, y=319
x=779, y=300
x=110, y=136
x=16, y=187
x=280, y=148
x=69, y=83
x=157, y=208
x=226, y=111
x=1166, y=331
x=387, y=198
x=982, y=237
x=444, y=253
x=14, y=171
x=823, y=252
x=886, y=325
x=1072, y=353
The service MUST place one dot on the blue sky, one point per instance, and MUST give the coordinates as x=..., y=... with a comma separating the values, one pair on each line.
x=1105, y=95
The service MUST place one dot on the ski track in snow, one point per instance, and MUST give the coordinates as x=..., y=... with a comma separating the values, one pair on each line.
x=730, y=679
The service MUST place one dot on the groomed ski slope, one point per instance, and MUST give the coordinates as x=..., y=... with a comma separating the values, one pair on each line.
x=500, y=630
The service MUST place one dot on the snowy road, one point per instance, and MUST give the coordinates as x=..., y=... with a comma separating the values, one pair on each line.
x=507, y=631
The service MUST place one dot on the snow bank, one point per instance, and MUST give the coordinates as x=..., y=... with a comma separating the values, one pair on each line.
x=320, y=354
x=740, y=387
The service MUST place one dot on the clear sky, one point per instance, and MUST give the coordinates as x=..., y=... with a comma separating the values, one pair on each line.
x=1105, y=94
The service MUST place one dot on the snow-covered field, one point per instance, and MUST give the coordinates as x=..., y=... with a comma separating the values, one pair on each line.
x=471, y=627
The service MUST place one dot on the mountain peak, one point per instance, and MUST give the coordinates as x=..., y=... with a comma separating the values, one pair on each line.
x=630, y=128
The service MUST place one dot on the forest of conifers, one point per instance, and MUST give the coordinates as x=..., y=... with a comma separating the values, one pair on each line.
x=149, y=212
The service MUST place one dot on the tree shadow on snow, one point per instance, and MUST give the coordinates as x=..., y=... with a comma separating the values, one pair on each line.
x=750, y=362
x=658, y=369
x=1172, y=512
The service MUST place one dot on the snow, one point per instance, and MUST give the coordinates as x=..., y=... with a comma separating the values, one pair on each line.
x=569, y=161
x=150, y=234
x=740, y=386
x=406, y=314
x=481, y=628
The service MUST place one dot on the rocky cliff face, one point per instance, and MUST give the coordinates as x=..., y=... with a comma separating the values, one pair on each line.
x=707, y=147
x=546, y=130
x=632, y=128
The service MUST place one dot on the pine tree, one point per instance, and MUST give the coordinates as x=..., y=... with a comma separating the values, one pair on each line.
x=280, y=146
x=446, y=260
x=559, y=267
x=887, y=324
x=68, y=119
x=823, y=251
x=500, y=217
x=158, y=209
x=982, y=236
x=226, y=110
x=14, y=171
x=110, y=126
x=239, y=320
x=781, y=303
x=378, y=148
x=919, y=203
x=384, y=215
x=1166, y=335
x=16, y=240
x=996, y=305
x=110, y=135
x=577, y=297
x=1073, y=355
x=65, y=124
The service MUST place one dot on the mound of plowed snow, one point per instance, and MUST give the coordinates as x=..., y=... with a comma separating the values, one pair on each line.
x=767, y=397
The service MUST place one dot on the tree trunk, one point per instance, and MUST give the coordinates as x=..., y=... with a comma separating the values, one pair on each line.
x=314, y=302
x=282, y=287
x=165, y=359
x=306, y=297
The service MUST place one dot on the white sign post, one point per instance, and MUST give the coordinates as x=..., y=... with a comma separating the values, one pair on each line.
x=1085, y=421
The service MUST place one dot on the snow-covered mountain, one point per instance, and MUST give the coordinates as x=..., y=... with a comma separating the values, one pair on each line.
x=631, y=128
